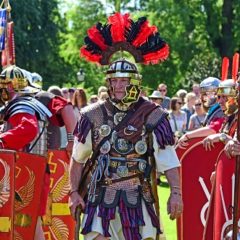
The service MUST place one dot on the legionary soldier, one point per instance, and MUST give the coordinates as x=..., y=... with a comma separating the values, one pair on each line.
x=25, y=119
x=124, y=133
x=215, y=116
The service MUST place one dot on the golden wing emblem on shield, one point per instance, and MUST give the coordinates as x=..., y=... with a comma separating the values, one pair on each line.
x=61, y=188
x=25, y=194
x=59, y=229
x=5, y=184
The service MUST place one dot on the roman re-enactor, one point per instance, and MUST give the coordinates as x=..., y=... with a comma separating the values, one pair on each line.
x=129, y=138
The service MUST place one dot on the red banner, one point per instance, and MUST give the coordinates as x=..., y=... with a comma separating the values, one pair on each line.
x=197, y=166
x=220, y=216
x=7, y=162
x=58, y=222
x=8, y=54
x=29, y=176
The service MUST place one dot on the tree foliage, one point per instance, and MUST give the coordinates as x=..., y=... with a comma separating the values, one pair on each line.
x=199, y=32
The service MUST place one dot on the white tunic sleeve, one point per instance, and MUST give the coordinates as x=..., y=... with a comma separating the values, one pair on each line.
x=82, y=151
x=165, y=158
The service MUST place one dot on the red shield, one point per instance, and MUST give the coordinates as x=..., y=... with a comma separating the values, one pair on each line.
x=197, y=166
x=58, y=222
x=29, y=175
x=220, y=217
x=7, y=161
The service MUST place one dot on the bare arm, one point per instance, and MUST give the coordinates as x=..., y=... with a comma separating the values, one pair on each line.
x=70, y=122
x=175, y=204
x=200, y=132
x=75, y=173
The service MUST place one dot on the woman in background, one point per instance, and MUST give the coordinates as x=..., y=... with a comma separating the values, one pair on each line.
x=197, y=119
x=79, y=101
x=178, y=118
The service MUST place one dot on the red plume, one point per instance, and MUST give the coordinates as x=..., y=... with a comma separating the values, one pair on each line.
x=145, y=32
x=96, y=37
x=118, y=24
x=235, y=66
x=90, y=57
x=155, y=57
x=225, y=66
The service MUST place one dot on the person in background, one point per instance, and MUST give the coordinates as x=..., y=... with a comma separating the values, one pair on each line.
x=197, y=119
x=181, y=93
x=93, y=99
x=162, y=88
x=156, y=97
x=188, y=108
x=102, y=93
x=55, y=90
x=103, y=96
x=102, y=89
x=79, y=101
x=70, y=93
x=178, y=118
x=196, y=90
x=65, y=93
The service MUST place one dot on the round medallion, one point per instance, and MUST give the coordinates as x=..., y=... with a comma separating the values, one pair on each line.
x=118, y=117
x=122, y=146
x=105, y=148
x=141, y=147
x=122, y=171
x=142, y=166
x=104, y=130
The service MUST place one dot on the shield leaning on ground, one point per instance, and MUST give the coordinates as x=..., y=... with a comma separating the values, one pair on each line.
x=7, y=168
x=197, y=165
x=58, y=223
x=29, y=176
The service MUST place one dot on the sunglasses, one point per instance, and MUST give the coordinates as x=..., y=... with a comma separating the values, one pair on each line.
x=162, y=90
x=198, y=105
x=180, y=103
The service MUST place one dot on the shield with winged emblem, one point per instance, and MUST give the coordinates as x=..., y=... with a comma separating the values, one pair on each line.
x=58, y=223
x=197, y=165
x=7, y=162
x=29, y=177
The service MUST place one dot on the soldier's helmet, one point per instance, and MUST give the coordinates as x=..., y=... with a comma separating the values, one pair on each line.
x=227, y=88
x=209, y=84
x=18, y=80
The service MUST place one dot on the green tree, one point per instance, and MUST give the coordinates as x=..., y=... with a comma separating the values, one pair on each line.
x=37, y=28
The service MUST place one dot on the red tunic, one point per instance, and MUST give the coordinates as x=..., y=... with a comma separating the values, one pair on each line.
x=24, y=128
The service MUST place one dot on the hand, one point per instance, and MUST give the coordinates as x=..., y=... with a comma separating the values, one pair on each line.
x=208, y=142
x=232, y=149
x=74, y=201
x=182, y=142
x=175, y=205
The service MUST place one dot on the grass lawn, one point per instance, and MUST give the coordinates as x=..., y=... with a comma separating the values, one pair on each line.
x=169, y=225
